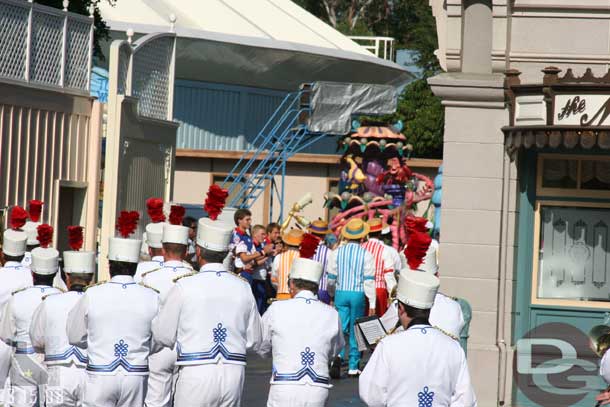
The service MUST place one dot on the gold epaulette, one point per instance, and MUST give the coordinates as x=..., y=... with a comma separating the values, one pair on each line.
x=147, y=286
x=184, y=275
x=187, y=265
x=44, y=297
x=19, y=290
x=93, y=285
x=150, y=271
x=441, y=330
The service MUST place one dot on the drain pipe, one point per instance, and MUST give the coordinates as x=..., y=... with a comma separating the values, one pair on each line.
x=502, y=284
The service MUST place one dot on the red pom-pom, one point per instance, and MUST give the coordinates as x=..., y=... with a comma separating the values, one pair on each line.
x=75, y=237
x=127, y=223
x=417, y=247
x=416, y=223
x=176, y=213
x=154, y=208
x=45, y=235
x=215, y=201
x=309, y=245
x=18, y=217
x=35, y=209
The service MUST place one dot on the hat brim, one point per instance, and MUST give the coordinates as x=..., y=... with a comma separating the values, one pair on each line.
x=318, y=232
x=353, y=236
x=291, y=241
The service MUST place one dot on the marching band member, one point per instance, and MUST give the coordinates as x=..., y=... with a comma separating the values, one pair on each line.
x=112, y=320
x=161, y=364
x=351, y=270
x=283, y=262
x=319, y=228
x=30, y=229
x=27, y=372
x=304, y=334
x=152, y=238
x=65, y=363
x=212, y=319
x=422, y=365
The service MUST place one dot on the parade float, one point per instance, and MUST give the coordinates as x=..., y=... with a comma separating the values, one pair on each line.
x=376, y=181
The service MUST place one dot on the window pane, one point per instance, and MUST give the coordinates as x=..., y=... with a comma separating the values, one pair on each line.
x=595, y=175
x=559, y=173
x=574, y=260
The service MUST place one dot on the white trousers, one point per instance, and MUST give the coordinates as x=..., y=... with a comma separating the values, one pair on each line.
x=297, y=395
x=160, y=378
x=66, y=386
x=217, y=385
x=5, y=364
x=120, y=390
x=28, y=377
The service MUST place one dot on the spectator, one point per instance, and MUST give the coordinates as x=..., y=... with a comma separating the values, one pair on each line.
x=258, y=278
x=242, y=245
x=191, y=223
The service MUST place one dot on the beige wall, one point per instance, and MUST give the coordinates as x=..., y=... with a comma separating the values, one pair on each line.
x=50, y=143
x=193, y=177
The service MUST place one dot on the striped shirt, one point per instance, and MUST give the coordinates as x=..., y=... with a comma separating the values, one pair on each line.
x=281, y=269
x=321, y=256
x=383, y=261
x=351, y=267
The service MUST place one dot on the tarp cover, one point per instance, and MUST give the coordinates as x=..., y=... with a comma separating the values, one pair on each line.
x=333, y=104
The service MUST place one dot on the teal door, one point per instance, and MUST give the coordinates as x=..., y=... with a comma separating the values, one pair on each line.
x=562, y=286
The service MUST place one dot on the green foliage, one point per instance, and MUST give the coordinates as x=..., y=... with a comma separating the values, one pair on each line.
x=101, y=32
x=423, y=118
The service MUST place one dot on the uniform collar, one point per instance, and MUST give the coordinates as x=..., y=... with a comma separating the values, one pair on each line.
x=122, y=279
x=173, y=263
x=372, y=239
x=12, y=264
x=305, y=294
x=157, y=258
x=212, y=267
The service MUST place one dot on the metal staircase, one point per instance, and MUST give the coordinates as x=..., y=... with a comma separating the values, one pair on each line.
x=284, y=135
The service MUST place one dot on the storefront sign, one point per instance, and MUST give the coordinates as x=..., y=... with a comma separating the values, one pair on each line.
x=582, y=110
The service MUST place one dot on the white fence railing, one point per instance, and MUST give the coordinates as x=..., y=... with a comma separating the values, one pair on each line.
x=45, y=46
x=381, y=47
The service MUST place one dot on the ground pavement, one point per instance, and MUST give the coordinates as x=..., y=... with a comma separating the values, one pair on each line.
x=256, y=388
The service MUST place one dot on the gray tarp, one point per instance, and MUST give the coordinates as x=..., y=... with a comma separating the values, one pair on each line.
x=334, y=103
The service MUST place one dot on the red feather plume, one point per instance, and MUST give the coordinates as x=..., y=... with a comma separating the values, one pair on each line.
x=417, y=246
x=215, y=201
x=154, y=208
x=416, y=223
x=176, y=213
x=127, y=223
x=18, y=217
x=45, y=235
x=75, y=237
x=35, y=209
x=309, y=245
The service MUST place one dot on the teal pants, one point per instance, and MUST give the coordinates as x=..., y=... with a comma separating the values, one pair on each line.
x=350, y=306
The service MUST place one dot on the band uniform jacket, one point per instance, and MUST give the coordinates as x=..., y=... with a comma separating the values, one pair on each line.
x=210, y=317
x=421, y=366
x=304, y=334
x=113, y=322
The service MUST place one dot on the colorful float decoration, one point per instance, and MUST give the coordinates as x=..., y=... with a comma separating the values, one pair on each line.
x=376, y=180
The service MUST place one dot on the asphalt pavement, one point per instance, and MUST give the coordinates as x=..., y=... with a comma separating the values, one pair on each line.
x=256, y=388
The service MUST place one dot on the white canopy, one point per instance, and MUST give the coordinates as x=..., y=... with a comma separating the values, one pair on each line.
x=229, y=41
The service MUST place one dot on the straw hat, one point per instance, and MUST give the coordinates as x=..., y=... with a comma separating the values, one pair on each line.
x=375, y=225
x=293, y=237
x=355, y=229
x=319, y=227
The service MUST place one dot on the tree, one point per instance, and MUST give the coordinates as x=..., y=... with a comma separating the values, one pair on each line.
x=101, y=32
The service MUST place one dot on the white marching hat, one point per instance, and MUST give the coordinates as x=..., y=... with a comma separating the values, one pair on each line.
x=306, y=269
x=79, y=262
x=175, y=234
x=14, y=242
x=45, y=260
x=127, y=250
x=417, y=289
x=30, y=229
x=154, y=235
x=213, y=234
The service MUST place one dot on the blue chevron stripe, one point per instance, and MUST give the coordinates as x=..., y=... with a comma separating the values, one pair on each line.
x=119, y=362
x=212, y=354
x=295, y=377
x=24, y=351
x=72, y=351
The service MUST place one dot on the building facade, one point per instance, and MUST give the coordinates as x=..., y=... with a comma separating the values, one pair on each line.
x=527, y=244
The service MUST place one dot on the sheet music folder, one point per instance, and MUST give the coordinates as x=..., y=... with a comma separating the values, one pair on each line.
x=369, y=331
